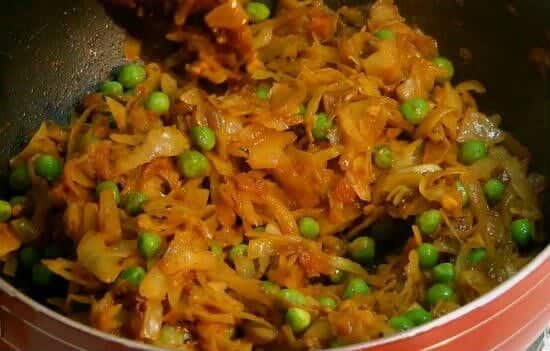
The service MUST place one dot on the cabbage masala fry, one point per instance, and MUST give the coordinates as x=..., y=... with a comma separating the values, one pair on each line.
x=307, y=178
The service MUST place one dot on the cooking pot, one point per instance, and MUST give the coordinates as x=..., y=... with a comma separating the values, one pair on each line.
x=53, y=52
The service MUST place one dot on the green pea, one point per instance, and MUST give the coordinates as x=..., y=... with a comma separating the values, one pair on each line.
x=257, y=12
x=292, y=297
x=321, y=126
x=41, y=275
x=133, y=275
x=48, y=167
x=477, y=255
x=112, y=121
x=133, y=202
x=418, y=316
x=131, y=75
x=356, y=287
x=414, y=110
x=298, y=319
x=260, y=229
x=203, y=137
x=444, y=272
x=53, y=250
x=262, y=93
x=270, y=288
x=25, y=229
x=338, y=276
x=111, y=88
x=327, y=302
x=446, y=66
x=238, y=251
x=18, y=201
x=5, y=211
x=216, y=249
x=130, y=92
x=385, y=34
x=193, y=164
x=401, y=323
x=171, y=336
x=363, y=249
x=301, y=110
x=89, y=139
x=522, y=232
x=462, y=190
x=148, y=244
x=494, y=190
x=158, y=102
x=336, y=343
x=110, y=186
x=472, y=151
x=20, y=179
x=229, y=333
x=29, y=256
x=428, y=222
x=428, y=255
x=439, y=292
x=383, y=157
x=309, y=227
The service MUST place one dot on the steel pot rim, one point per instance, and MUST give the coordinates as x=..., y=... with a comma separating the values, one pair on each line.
x=136, y=345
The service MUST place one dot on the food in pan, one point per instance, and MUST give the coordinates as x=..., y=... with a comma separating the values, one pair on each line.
x=292, y=178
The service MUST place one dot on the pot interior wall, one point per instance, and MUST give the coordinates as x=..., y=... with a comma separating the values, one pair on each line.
x=51, y=54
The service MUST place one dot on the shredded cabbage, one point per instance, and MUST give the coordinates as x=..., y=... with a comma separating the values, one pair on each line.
x=196, y=287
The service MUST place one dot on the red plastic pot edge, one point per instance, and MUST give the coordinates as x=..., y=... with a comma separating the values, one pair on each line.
x=523, y=296
x=527, y=292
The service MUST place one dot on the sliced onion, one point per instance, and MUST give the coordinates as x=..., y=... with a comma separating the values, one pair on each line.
x=154, y=286
x=97, y=258
x=348, y=266
x=152, y=320
x=159, y=142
